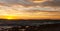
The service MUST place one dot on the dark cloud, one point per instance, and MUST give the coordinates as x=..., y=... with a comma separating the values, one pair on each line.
x=22, y=2
x=54, y=3
x=8, y=1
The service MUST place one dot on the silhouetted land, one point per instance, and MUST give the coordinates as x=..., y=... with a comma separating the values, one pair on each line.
x=46, y=27
x=22, y=22
x=33, y=25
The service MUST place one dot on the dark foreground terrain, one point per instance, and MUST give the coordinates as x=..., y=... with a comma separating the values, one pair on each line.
x=29, y=25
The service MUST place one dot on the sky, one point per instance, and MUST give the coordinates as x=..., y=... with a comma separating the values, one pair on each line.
x=29, y=12
x=55, y=3
x=49, y=3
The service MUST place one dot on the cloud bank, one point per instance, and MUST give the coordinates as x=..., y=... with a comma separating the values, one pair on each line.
x=22, y=2
x=53, y=3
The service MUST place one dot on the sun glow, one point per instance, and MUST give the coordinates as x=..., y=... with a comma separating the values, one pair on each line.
x=9, y=17
x=39, y=15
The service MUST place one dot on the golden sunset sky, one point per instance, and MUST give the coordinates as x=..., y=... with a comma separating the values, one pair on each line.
x=31, y=9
